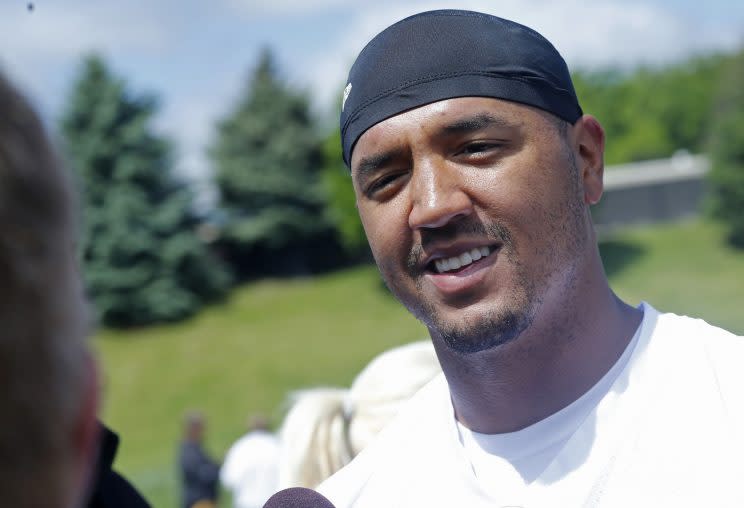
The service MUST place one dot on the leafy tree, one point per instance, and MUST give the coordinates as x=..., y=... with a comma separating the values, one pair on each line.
x=267, y=158
x=143, y=262
x=652, y=112
x=727, y=152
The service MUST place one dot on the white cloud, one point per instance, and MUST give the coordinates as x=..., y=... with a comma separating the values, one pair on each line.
x=53, y=32
x=40, y=48
x=190, y=119
x=62, y=31
x=193, y=120
x=598, y=33
x=291, y=7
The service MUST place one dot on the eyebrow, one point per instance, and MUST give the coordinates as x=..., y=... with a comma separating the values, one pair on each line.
x=368, y=165
x=474, y=123
x=372, y=163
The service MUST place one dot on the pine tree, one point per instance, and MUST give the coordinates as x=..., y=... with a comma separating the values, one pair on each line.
x=727, y=152
x=267, y=159
x=142, y=259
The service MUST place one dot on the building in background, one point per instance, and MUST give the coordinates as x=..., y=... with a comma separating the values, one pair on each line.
x=652, y=191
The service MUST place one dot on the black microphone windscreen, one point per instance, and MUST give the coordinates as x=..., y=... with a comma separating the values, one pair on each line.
x=298, y=497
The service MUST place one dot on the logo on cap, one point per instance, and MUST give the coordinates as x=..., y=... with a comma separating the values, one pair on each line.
x=347, y=91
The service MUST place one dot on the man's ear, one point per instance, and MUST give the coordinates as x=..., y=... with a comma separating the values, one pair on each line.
x=589, y=142
x=87, y=431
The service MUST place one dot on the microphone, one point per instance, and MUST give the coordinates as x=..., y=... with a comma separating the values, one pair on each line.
x=298, y=497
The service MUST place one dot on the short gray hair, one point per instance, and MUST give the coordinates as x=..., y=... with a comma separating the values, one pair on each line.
x=43, y=317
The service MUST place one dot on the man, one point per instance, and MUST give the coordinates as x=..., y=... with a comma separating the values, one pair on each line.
x=199, y=473
x=49, y=395
x=474, y=168
x=54, y=452
x=251, y=466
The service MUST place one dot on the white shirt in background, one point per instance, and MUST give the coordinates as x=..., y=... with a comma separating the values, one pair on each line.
x=251, y=469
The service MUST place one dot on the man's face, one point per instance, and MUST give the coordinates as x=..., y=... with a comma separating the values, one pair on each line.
x=474, y=211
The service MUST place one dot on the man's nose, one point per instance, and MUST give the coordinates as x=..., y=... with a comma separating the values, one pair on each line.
x=438, y=195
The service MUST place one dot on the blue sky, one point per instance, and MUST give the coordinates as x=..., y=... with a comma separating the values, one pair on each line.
x=196, y=55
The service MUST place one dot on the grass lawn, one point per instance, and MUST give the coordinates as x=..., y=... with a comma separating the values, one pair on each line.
x=684, y=268
x=274, y=336
x=237, y=358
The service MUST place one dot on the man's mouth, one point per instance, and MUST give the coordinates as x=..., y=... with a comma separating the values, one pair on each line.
x=461, y=261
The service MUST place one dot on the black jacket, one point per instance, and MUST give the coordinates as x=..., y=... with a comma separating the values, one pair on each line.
x=110, y=489
x=199, y=474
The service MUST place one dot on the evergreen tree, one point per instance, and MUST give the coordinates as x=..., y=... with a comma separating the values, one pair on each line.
x=267, y=159
x=727, y=152
x=142, y=259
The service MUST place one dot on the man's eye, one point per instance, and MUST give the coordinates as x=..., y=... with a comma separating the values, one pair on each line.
x=478, y=147
x=382, y=183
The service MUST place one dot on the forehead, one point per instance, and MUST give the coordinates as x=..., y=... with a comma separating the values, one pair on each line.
x=438, y=117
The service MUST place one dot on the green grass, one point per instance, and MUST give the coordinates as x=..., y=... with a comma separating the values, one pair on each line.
x=685, y=268
x=275, y=336
x=240, y=357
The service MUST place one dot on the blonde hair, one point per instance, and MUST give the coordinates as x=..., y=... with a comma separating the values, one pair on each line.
x=43, y=321
x=327, y=427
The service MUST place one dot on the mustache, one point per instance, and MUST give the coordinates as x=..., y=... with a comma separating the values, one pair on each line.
x=495, y=230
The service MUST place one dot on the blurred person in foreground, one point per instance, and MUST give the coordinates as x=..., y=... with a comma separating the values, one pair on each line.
x=49, y=394
x=327, y=427
x=53, y=451
x=474, y=170
x=199, y=472
x=250, y=468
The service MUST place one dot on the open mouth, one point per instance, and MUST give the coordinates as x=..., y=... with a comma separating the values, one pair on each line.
x=454, y=264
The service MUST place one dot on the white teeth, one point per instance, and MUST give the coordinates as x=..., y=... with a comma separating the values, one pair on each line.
x=464, y=259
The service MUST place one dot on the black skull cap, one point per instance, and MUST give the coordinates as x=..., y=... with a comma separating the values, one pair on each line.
x=442, y=54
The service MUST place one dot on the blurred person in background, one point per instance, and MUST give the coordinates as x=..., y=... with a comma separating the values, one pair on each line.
x=250, y=469
x=327, y=427
x=199, y=472
x=49, y=394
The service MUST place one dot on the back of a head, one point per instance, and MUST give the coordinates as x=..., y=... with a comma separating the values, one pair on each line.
x=327, y=427
x=43, y=322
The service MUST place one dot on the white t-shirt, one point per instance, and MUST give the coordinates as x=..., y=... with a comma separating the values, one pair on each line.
x=251, y=469
x=662, y=428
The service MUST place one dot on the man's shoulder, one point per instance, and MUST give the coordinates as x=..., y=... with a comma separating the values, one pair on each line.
x=701, y=354
x=682, y=329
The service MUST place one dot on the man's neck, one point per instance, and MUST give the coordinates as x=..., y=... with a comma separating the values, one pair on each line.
x=545, y=369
